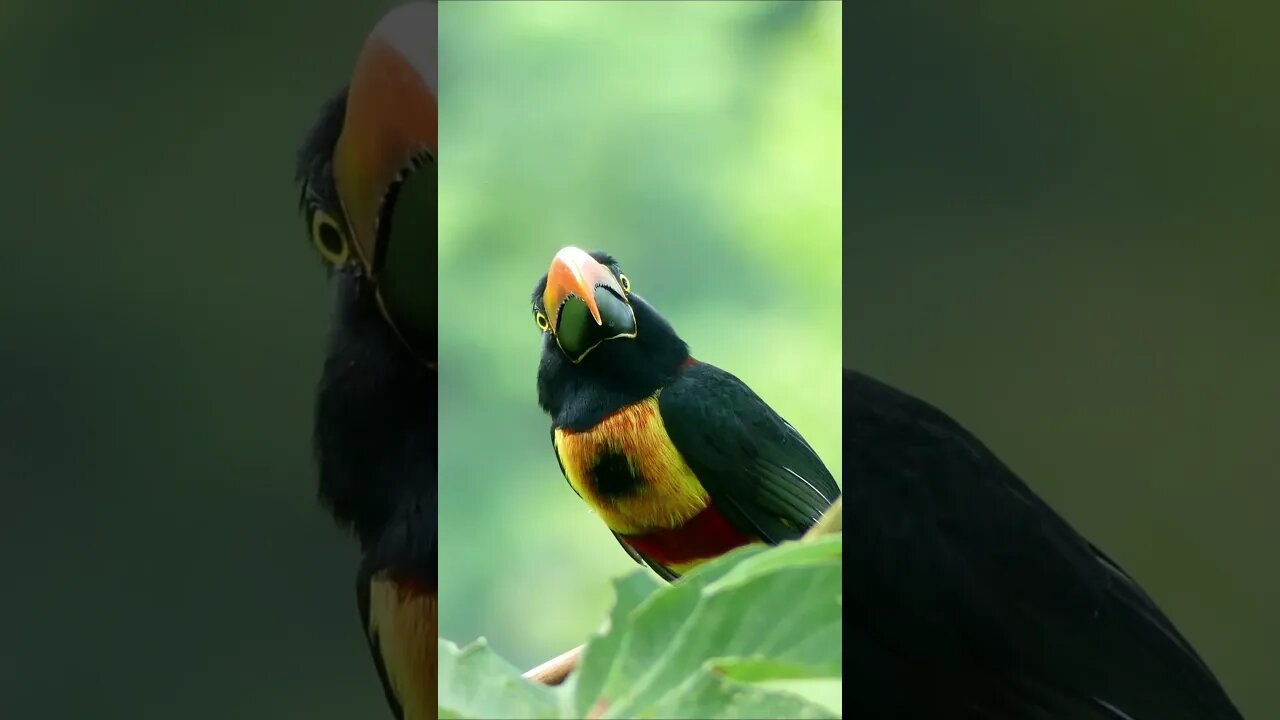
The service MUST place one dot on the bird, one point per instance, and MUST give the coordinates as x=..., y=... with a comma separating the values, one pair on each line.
x=971, y=598
x=681, y=460
x=367, y=171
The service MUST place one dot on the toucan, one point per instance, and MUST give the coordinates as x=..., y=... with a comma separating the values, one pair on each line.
x=368, y=174
x=970, y=598
x=680, y=459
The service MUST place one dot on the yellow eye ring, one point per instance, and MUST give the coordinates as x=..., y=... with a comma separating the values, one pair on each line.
x=541, y=320
x=625, y=282
x=329, y=239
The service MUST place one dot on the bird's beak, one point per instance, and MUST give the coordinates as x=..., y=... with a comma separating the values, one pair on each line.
x=585, y=304
x=385, y=164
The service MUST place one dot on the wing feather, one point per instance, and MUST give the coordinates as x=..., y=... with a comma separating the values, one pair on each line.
x=756, y=467
x=970, y=581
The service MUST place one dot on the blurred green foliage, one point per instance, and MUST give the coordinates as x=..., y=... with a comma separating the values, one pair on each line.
x=747, y=635
x=700, y=145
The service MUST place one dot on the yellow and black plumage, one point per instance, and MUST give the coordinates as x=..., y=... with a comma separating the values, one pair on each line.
x=368, y=174
x=681, y=459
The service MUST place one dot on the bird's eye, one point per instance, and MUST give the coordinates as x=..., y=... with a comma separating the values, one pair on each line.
x=329, y=239
x=541, y=319
x=626, y=284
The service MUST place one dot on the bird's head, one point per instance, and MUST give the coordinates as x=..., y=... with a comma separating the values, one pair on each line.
x=368, y=175
x=599, y=337
x=368, y=171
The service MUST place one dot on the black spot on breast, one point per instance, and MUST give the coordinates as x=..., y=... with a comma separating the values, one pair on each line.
x=612, y=475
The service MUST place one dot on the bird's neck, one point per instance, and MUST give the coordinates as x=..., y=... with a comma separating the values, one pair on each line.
x=375, y=423
x=614, y=375
x=404, y=547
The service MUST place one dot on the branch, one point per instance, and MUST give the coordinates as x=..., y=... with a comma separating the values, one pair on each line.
x=555, y=670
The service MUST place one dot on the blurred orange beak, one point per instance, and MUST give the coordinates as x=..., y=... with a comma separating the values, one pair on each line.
x=391, y=119
x=575, y=273
x=585, y=304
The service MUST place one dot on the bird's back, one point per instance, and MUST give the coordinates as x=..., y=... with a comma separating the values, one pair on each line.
x=976, y=597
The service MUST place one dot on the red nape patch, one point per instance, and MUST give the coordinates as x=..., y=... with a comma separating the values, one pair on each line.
x=408, y=587
x=706, y=535
x=689, y=362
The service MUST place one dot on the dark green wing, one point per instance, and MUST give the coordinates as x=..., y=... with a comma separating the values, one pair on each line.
x=978, y=600
x=756, y=467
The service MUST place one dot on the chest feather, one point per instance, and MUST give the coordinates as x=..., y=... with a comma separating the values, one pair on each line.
x=403, y=622
x=629, y=472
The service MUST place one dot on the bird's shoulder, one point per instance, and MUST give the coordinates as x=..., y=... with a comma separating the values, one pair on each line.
x=757, y=468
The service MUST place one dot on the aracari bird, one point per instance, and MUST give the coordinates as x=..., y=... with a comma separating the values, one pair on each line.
x=681, y=459
x=368, y=175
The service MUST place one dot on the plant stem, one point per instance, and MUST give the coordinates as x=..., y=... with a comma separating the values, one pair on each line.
x=555, y=670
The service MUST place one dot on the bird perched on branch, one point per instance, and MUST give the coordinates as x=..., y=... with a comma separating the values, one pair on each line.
x=368, y=174
x=970, y=598
x=681, y=459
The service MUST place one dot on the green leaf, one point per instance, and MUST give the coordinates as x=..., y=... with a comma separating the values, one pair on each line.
x=757, y=670
x=793, y=678
x=792, y=554
x=827, y=693
x=755, y=633
x=475, y=683
x=708, y=696
x=585, y=684
x=781, y=612
x=629, y=649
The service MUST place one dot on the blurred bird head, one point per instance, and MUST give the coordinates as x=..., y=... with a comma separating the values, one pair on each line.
x=597, y=331
x=368, y=173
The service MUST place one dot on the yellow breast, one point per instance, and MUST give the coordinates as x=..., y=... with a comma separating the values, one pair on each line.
x=668, y=494
x=404, y=625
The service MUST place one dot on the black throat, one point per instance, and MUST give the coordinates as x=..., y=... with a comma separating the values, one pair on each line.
x=375, y=431
x=614, y=375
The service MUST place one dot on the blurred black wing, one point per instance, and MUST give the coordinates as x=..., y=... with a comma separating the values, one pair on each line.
x=978, y=600
x=756, y=467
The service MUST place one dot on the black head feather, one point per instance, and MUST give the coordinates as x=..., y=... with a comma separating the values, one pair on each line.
x=375, y=421
x=375, y=416
x=615, y=374
x=314, y=164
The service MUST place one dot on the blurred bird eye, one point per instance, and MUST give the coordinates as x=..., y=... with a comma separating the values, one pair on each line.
x=541, y=319
x=328, y=238
x=626, y=284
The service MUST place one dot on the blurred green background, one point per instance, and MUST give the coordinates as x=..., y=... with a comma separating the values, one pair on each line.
x=700, y=145
x=161, y=550
x=1063, y=230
